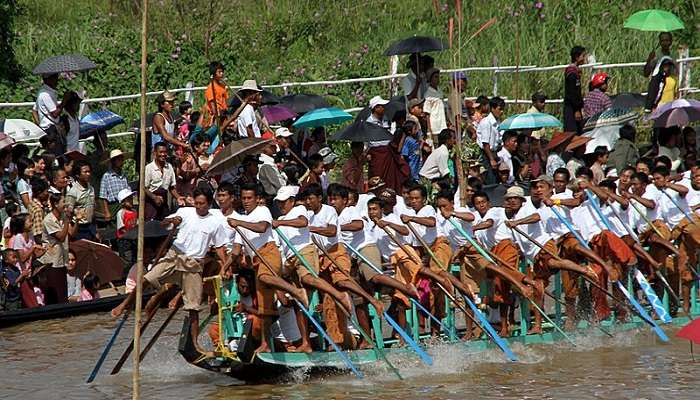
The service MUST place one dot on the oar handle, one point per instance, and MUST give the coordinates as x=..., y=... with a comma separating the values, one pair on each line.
x=536, y=243
x=597, y=209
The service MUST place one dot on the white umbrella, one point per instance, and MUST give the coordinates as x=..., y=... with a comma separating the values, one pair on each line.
x=604, y=136
x=22, y=130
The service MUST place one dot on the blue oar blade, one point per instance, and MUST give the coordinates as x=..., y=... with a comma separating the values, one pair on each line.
x=422, y=354
x=659, y=332
x=103, y=356
x=431, y=316
x=492, y=332
x=337, y=349
x=652, y=297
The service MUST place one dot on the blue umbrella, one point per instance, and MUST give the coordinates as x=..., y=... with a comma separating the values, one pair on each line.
x=99, y=120
x=529, y=121
x=322, y=117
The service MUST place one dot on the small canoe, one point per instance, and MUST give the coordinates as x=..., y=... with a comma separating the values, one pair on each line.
x=9, y=318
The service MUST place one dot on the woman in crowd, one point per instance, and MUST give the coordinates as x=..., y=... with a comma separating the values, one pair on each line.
x=58, y=228
x=25, y=172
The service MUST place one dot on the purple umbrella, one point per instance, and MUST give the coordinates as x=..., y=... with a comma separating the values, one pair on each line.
x=277, y=113
x=676, y=113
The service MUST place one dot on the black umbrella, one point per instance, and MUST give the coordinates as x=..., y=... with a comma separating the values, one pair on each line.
x=396, y=104
x=64, y=63
x=303, y=103
x=416, y=44
x=362, y=131
x=627, y=100
x=268, y=98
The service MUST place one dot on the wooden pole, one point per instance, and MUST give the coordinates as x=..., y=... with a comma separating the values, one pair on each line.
x=142, y=203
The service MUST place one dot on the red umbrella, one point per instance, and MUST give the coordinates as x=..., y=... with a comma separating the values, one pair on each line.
x=692, y=333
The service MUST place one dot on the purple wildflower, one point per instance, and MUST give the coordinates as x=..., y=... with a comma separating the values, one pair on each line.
x=539, y=5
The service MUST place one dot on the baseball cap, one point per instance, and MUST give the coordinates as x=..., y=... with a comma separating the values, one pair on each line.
x=377, y=101
x=286, y=192
x=283, y=132
x=124, y=194
x=514, y=191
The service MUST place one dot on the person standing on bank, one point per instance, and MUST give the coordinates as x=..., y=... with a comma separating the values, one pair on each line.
x=113, y=182
x=58, y=229
x=80, y=201
x=164, y=124
x=159, y=179
x=573, y=98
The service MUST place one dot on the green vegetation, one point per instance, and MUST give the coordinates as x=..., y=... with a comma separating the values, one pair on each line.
x=302, y=40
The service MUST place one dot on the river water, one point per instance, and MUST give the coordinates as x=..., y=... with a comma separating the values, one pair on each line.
x=51, y=360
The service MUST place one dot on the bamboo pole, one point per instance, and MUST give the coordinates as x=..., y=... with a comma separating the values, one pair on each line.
x=142, y=204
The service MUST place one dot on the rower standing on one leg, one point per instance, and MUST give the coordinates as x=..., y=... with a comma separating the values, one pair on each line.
x=199, y=230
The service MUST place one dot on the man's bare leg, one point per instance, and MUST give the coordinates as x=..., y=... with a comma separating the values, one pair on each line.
x=305, y=346
x=128, y=301
x=325, y=287
x=280, y=284
x=387, y=281
x=355, y=287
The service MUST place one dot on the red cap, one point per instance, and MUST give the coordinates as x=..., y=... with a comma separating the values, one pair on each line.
x=599, y=79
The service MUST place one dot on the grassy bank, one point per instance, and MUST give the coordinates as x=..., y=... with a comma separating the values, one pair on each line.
x=300, y=40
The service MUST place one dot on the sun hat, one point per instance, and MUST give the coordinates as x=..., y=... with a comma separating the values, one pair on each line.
x=577, y=142
x=377, y=101
x=115, y=153
x=250, y=84
x=514, y=191
x=330, y=158
x=544, y=178
x=286, y=192
x=414, y=102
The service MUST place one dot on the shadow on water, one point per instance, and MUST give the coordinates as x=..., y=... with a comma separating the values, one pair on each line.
x=50, y=360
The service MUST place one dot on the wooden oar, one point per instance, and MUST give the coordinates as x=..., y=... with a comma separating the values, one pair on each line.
x=107, y=347
x=481, y=320
x=318, y=326
x=422, y=354
x=161, y=328
x=379, y=352
x=675, y=203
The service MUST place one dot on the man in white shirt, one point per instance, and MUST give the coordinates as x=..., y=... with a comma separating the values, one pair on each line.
x=47, y=109
x=294, y=225
x=413, y=84
x=159, y=179
x=247, y=123
x=436, y=166
x=256, y=225
x=198, y=231
x=505, y=155
x=488, y=137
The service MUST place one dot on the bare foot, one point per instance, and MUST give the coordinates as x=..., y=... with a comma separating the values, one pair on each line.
x=570, y=325
x=535, y=330
x=264, y=348
x=303, y=348
x=364, y=345
x=117, y=311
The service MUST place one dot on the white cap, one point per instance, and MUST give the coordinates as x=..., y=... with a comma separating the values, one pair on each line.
x=250, y=84
x=115, y=153
x=325, y=151
x=124, y=193
x=283, y=132
x=330, y=158
x=286, y=192
x=377, y=101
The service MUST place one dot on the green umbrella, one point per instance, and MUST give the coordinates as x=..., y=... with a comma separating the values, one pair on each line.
x=654, y=20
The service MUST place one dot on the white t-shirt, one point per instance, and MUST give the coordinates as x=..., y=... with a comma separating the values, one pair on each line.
x=488, y=236
x=505, y=156
x=386, y=246
x=197, y=233
x=46, y=103
x=298, y=237
x=245, y=119
x=436, y=165
x=428, y=234
x=400, y=207
x=536, y=231
x=669, y=209
x=325, y=217
x=258, y=240
x=355, y=239
x=554, y=225
x=223, y=220
x=651, y=193
x=446, y=229
x=587, y=220
x=362, y=200
x=693, y=196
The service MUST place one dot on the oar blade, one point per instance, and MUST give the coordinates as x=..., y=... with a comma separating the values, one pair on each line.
x=492, y=332
x=643, y=313
x=108, y=346
x=421, y=353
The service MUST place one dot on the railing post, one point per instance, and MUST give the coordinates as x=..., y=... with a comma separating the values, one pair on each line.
x=189, y=95
x=393, y=70
x=495, y=76
x=683, y=70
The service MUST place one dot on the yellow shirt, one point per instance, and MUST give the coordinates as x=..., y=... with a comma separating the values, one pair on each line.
x=669, y=92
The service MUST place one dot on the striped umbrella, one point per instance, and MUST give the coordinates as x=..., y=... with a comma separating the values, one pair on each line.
x=676, y=113
x=322, y=117
x=610, y=117
x=529, y=121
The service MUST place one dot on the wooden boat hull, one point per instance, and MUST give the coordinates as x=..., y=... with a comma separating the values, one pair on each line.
x=9, y=318
x=270, y=367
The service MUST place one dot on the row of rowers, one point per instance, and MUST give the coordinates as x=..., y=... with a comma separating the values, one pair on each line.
x=349, y=245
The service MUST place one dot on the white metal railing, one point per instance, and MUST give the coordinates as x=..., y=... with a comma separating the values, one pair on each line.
x=684, y=61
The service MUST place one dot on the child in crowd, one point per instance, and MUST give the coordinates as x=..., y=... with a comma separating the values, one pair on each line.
x=11, y=278
x=91, y=283
x=74, y=282
x=11, y=209
x=126, y=219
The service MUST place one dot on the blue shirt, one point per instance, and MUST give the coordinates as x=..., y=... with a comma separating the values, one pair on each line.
x=11, y=273
x=411, y=151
